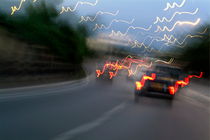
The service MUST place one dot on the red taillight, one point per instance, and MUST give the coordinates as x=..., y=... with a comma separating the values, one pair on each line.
x=152, y=77
x=138, y=85
x=181, y=83
x=171, y=90
x=98, y=73
x=111, y=74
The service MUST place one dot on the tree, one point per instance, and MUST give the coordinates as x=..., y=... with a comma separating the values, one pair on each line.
x=40, y=25
x=197, y=53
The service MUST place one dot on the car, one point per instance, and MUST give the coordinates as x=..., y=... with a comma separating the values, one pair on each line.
x=105, y=75
x=159, y=81
x=106, y=71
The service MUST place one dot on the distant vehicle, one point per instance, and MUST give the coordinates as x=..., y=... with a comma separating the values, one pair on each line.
x=105, y=71
x=159, y=81
x=104, y=76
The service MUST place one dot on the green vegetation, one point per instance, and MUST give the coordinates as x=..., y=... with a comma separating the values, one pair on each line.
x=41, y=25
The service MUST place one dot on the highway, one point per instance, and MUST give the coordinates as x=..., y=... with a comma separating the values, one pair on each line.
x=93, y=110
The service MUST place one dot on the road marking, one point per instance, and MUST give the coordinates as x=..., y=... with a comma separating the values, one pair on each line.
x=91, y=125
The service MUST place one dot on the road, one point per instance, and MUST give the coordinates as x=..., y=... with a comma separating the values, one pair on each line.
x=93, y=110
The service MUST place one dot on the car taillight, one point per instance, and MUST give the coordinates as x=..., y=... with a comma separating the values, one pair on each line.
x=138, y=85
x=111, y=75
x=98, y=73
x=171, y=90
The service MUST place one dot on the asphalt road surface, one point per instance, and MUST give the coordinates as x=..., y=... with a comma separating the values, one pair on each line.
x=90, y=110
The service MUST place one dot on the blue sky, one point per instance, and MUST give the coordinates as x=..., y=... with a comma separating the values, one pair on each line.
x=143, y=11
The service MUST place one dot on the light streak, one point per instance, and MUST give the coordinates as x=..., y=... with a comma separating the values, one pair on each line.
x=15, y=8
x=136, y=43
x=102, y=26
x=118, y=33
x=88, y=18
x=166, y=38
x=158, y=19
x=177, y=23
x=67, y=9
x=119, y=65
x=172, y=89
x=203, y=31
x=166, y=62
x=140, y=84
x=173, y=5
x=172, y=40
x=126, y=63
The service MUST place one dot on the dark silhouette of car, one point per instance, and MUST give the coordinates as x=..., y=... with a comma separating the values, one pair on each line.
x=159, y=82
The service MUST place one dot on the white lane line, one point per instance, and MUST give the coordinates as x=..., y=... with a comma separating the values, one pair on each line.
x=91, y=125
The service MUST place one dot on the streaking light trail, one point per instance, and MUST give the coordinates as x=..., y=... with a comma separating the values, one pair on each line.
x=114, y=67
x=165, y=28
x=67, y=9
x=172, y=40
x=166, y=62
x=118, y=33
x=136, y=43
x=140, y=84
x=203, y=31
x=158, y=19
x=171, y=89
x=126, y=64
x=88, y=18
x=15, y=8
x=173, y=5
x=102, y=26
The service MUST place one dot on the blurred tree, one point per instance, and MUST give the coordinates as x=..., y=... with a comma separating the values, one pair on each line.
x=39, y=25
x=197, y=53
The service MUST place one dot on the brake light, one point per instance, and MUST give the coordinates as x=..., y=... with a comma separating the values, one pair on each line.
x=171, y=90
x=98, y=72
x=182, y=83
x=138, y=85
x=153, y=76
x=111, y=74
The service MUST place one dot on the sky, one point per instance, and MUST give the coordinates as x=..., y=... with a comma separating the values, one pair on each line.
x=141, y=14
x=144, y=13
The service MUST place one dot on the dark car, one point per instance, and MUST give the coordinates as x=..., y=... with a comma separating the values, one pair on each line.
x=106, y=70
x=159, y=81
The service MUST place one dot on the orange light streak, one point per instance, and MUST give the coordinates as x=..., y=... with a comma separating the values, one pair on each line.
x=172, y=89
x=119, y=65
x=140, y=84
